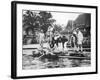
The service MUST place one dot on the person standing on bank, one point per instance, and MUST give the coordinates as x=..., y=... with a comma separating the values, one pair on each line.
x=41, y=38
x=79, y=39
x=74, y=40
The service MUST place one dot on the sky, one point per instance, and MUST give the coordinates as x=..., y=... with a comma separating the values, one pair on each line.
x=62, y=18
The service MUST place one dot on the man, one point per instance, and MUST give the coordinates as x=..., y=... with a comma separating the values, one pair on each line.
x=56, y=39
x=74, y=40
x=79, y=39
x=64, y=39
x=41, y=38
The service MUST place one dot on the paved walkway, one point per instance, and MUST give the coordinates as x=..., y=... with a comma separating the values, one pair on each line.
x=34, y=46
x=28, y=49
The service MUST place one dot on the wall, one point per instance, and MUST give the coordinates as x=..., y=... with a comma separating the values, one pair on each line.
x=5, y=40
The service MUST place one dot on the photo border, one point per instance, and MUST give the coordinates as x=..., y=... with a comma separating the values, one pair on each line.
x=14, y=38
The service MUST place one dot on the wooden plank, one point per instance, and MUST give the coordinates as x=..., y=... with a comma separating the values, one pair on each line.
x=73, y=57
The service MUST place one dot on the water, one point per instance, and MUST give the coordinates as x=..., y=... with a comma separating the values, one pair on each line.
x=30, y=62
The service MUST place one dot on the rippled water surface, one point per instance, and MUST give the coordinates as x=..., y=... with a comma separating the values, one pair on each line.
x=30, y=62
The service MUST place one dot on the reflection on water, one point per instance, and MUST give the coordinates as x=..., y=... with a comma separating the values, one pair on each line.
x=34, y=63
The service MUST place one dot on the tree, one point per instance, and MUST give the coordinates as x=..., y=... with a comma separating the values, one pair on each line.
x=30, y=20
x=57, y=28
x=45, y=20
x=37, y=20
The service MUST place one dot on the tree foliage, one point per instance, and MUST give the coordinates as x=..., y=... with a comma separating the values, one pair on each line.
x=37, y=20
x=57, y=28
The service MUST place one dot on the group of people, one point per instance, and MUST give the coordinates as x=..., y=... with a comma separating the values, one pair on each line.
x=53, y=40
x=77, y=40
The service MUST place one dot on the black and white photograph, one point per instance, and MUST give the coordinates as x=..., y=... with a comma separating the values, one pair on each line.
x=56, y=39
x=53, y=39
